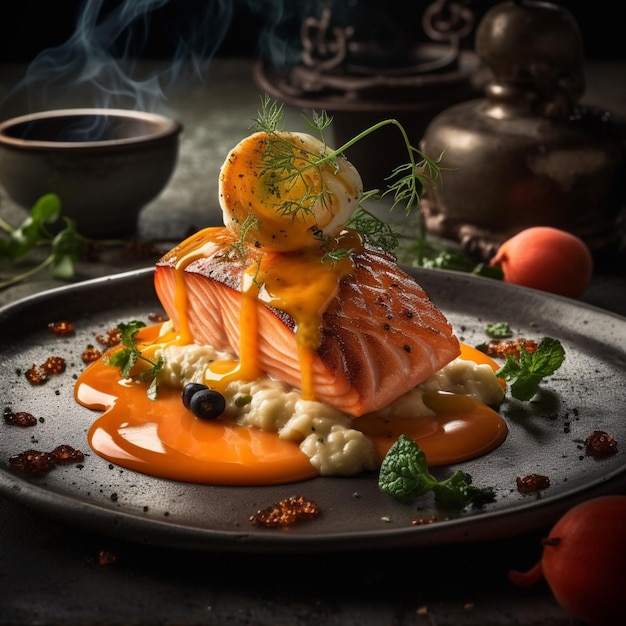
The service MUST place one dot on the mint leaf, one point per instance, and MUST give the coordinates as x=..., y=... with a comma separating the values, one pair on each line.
x=457, y=492
x=404, y=476
x=23, y=239
x=46, y=210
x=403, y=473
x=65, y=248
x=530, y=369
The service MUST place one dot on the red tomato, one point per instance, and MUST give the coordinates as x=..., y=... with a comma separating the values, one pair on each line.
x=547, y=259
x=584, y=561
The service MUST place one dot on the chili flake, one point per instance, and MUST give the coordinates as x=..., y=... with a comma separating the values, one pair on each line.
x=600, y=444
x=21, y=418
x=532, y=483
x=61, y=328
x=286, y=512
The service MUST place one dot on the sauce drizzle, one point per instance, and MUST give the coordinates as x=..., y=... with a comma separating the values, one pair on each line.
x=162, y=438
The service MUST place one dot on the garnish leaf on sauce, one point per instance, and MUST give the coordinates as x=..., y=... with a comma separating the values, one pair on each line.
x=405, y=477
x=530, y=369
x=129, y=355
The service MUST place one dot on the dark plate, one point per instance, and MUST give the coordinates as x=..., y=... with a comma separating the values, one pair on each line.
x=546, y=436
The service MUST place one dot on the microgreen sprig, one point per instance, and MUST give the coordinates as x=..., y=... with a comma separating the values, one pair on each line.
x=498, y=330
x=66, y=246
x=129, y=355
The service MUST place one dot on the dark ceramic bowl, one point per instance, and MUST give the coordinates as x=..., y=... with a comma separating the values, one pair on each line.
x=105, y=165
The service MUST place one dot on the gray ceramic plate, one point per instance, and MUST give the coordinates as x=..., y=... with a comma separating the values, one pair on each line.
x=546, y=436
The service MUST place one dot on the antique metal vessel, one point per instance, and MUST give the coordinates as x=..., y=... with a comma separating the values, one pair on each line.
x=367, y=61
x=528, y=153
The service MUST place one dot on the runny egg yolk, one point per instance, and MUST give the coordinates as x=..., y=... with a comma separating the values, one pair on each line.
x=283, y=192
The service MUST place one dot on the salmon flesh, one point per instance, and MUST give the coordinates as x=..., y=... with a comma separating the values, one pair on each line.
x=380, y=336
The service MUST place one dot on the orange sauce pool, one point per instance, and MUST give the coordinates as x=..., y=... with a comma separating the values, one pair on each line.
x=162, y=438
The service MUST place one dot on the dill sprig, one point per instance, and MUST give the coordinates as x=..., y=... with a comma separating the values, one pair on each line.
x=374, y=230
x=239, y=247
x=407, y=182
x=335, y=255
x=284, y=165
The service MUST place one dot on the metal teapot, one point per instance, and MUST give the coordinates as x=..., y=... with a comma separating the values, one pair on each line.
x=527, y=153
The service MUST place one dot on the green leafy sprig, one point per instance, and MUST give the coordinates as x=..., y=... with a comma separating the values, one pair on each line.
x=129, y=355
x=404, y=475
x=421, y=252
x=239, y=246
x=66, y=246
x=531, y=368
x=375, y=231
x=407, y=181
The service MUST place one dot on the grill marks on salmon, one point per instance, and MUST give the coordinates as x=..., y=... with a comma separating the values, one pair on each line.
x=381, y=335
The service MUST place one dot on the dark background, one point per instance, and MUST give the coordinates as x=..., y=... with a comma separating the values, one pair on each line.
x=38, y=25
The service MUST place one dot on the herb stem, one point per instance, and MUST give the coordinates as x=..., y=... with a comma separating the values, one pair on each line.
x=406, y=189
x=35, y=270
x=370, y=130
x=364, y=133
x=7, y=228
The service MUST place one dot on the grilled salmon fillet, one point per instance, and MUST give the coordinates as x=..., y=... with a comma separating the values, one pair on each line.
x=380, y=334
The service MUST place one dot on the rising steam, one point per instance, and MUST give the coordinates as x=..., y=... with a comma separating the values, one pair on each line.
x=98, y=65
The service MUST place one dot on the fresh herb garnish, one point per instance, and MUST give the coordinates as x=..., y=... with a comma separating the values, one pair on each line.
x=530, y=369
x=404, y=475
x=335, y=255
x=499, y=330
x=423, y=253
x=66, y=246
x=407, y=181
x=239, y=246
x=375, y=231
x=129, y=355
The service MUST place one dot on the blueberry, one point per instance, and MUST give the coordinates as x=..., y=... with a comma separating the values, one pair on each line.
x=207, y=404
x=188, y=391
